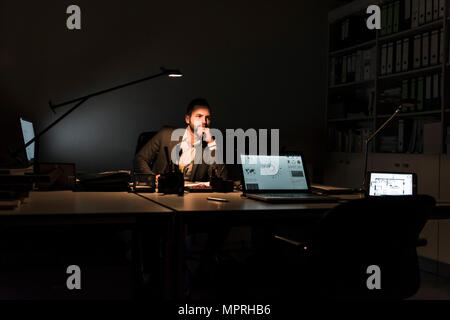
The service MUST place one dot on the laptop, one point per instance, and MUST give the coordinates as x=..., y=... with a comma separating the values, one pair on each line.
x=20, y=160
x=28, y=134
x=392, y=184
x=280, y=178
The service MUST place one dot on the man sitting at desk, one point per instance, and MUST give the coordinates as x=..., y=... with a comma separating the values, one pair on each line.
x=152, y=159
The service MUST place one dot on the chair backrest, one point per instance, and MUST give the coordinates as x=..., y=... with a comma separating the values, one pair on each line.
x=380, y=231
x=143, y=139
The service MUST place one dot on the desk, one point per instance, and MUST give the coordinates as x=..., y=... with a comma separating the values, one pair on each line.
x=119, y=209
x=196, y=204
x=66, y=207
x=84, y=203
x=194, y=208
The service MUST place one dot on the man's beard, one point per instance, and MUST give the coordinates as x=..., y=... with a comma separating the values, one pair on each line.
x=194, y=131
x=191, y=126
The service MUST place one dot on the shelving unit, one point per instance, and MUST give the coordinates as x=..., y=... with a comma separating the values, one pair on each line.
x=357, y=105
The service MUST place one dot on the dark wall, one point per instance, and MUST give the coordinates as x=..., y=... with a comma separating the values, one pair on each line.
x=261, y=64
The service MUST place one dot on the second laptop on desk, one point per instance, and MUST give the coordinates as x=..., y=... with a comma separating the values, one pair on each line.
x=277, y=179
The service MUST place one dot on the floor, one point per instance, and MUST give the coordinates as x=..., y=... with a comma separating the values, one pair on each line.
x=432, y=287
x=45, y=285
x=107, y=275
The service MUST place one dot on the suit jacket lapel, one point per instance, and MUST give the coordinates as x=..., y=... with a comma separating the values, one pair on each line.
x=194, y=171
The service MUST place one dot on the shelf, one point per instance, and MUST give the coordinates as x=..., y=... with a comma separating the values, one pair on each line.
x=346, y=153
x=381, y=116
x=412, y=114
x=405, y=33
x=373, y=153
x=411, y=73
x=414, y=154
x=350, y=119
x=351, y=84
x=353, y=48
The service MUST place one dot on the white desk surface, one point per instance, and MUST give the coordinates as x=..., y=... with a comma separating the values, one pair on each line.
x=197, y=202
x=79, y=203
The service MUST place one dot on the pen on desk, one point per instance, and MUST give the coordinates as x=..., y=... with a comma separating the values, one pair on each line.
x=217, y=199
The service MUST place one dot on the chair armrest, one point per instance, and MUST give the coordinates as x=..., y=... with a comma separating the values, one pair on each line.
x=421, y=242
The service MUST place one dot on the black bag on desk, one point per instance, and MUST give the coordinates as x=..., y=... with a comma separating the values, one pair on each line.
x=104, y=181
x=171, y=183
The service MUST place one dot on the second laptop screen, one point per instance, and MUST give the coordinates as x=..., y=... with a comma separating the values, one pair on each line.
x=391, y=184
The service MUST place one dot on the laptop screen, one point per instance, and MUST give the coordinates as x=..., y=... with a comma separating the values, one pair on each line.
x=273, y=172
x=391, y=184
x=28, y=134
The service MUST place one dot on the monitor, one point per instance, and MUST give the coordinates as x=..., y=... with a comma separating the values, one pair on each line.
x=262, y=172
x=28, y=134
x=391, y=184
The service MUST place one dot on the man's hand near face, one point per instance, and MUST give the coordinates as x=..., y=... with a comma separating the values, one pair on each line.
x=205, y=133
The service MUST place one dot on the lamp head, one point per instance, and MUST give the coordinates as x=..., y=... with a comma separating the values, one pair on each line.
x=172, y=73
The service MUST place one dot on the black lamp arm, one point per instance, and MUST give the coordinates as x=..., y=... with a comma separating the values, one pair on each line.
x=81, y=100
x=40, y=134
x=162, y=73
x=372, y=136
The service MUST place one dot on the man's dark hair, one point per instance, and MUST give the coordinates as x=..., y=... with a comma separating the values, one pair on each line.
x=197, y=102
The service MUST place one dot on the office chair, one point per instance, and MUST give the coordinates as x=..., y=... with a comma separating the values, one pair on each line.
x=381, y=231
x=144, y=137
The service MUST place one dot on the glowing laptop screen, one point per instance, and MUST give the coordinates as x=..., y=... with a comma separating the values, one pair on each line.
x=391, y=184
x=28, y=134
x=273, y=172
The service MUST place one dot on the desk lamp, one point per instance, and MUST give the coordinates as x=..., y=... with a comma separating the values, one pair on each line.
x=405, y=104
x=171, y=73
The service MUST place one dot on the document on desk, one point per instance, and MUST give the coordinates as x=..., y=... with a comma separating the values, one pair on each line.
x=9, y=204
x=193, y=184
x=197, y=186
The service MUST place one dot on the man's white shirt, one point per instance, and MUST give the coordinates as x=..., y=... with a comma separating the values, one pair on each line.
x=193, y=153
